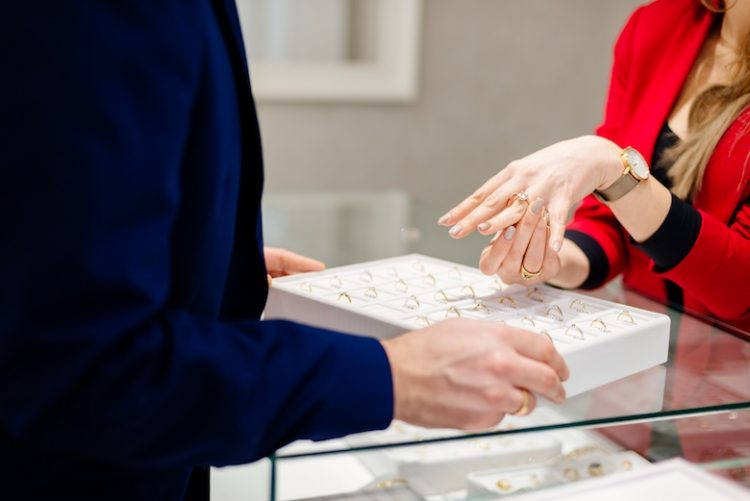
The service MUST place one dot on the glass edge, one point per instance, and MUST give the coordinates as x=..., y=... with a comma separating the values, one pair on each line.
x=588, y=423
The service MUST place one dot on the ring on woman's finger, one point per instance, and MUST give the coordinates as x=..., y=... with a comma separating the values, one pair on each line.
x=528, y=275
x=519, y=196
x=525, y=405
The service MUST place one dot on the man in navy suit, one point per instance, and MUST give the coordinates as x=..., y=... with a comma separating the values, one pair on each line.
x=132, y=273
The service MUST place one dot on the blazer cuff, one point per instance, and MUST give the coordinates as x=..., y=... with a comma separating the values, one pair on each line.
x=676, y=236
x=598, y=262
x=359, y=396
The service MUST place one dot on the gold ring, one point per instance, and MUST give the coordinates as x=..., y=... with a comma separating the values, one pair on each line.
x=535, y=294
x=548, y=336
x=508, y=301
x=625, y=316
x=519, y=196
x=579, y=306
x=452, y=312
x=578, y=333
x=527, y=275
x=599, y=324
x=526, y=405
x=555, y=313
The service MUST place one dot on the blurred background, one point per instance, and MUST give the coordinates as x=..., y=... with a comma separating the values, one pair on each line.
x=378, y=115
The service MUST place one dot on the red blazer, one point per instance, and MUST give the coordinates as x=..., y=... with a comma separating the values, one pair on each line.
x=653, y=56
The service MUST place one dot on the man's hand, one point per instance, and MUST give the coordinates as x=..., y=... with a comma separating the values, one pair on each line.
x=469, y=374
x=281, y=262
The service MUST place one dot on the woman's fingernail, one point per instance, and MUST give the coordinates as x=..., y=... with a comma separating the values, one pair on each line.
x=537, y=206
x=455, y=230
x=484, y=226
x=497, y=235
x=556, y=246
x=444, y=219
x=509, y=232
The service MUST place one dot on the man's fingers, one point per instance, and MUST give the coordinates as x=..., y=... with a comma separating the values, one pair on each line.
x=532, y=345
x=524, y=401
x=282, y=262
x=539, y=378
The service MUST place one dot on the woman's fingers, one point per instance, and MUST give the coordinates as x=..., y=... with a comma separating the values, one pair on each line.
x=481, y=217
x=493, y=254
x=558, y=217
x=510, y=269
x=472, y=202
x=533, y=260
x=506, y=217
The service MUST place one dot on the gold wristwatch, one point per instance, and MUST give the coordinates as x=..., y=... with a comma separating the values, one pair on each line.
x=636, y=171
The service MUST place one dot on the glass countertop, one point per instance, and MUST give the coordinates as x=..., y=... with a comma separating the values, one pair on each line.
x=708, y=369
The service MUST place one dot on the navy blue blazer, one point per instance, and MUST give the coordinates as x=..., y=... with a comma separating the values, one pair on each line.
x=131, y=268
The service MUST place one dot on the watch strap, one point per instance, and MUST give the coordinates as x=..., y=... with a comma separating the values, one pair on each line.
x=618, y=189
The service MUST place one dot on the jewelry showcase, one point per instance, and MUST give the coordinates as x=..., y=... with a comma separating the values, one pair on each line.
x=601, y=341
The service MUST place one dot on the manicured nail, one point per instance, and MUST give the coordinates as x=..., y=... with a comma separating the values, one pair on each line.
x=509, y=232
x=497, y=235
x=537, y=206
x=556, y=245
x=455, y=230
x=484, y=226
x=444, y=219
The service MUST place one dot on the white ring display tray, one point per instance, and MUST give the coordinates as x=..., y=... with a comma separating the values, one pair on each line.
x=601, y=341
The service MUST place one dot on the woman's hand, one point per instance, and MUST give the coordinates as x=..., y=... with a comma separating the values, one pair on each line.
x=558, y=176
x=281, y=262
x=525, y=248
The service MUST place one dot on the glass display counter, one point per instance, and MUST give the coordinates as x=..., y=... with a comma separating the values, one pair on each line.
x=696, y=406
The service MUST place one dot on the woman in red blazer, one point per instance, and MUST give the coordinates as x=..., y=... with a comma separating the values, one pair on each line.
x=680, y=98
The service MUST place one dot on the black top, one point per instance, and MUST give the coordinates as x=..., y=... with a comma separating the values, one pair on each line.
x=669, y=245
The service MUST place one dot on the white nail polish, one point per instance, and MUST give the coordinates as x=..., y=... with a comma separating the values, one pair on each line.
x=537, y=206
x=509, y=232
x=455, y=230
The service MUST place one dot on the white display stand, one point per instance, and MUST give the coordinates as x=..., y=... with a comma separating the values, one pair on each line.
x=601, y=341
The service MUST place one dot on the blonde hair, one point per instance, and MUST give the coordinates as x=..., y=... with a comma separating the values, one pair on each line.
x=711, y=114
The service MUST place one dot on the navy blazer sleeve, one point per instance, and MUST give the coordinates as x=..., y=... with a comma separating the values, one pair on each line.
x=97, y=359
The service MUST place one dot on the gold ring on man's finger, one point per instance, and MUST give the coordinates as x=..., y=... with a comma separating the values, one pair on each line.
x=525, y=408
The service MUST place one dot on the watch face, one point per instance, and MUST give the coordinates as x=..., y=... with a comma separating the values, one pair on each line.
x=637, y=163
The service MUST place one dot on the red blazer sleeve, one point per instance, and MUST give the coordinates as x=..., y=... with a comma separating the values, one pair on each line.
x=594, y=218
x=716, y=271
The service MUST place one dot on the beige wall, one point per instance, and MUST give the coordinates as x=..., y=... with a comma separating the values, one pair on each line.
x=498, y=79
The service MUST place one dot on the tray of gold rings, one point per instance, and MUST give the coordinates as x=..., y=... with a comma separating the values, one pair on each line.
x=601, y=341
